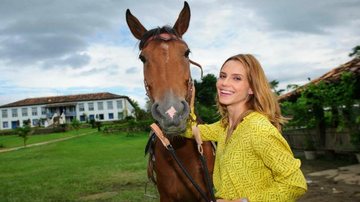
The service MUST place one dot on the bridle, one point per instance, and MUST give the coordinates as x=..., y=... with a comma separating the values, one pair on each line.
x=168, y=37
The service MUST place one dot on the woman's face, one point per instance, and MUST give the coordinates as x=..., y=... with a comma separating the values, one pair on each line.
x=232, y=85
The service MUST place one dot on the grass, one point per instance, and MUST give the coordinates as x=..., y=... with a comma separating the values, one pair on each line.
x=111, y=166
x=95, y=167
x=10, y=141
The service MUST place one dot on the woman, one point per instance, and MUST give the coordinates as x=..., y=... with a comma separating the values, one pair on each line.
x=253, y=161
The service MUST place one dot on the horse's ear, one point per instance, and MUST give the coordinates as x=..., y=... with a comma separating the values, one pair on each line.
x=182, y=23
x=136, y=28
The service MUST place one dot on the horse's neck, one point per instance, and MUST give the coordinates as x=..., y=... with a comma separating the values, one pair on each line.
x=178, y=142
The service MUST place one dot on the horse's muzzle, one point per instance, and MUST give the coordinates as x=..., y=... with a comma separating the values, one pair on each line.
x=172, y=116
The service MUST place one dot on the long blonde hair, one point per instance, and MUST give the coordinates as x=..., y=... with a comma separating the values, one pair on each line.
x=263, y=100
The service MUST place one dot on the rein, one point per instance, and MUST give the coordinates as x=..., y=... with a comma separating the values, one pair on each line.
x=166, y=143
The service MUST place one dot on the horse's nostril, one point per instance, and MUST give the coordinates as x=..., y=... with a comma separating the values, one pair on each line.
x=155, y=111
x=186, y=109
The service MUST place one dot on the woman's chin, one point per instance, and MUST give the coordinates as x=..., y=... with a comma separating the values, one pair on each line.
x=224, y=101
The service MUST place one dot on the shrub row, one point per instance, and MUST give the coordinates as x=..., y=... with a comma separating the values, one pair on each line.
x=129, y=126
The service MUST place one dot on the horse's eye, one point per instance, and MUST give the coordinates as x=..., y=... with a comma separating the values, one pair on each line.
x=142, y=58
x=187, y=53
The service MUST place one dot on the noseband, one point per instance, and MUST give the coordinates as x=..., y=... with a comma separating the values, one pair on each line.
x=169, y=37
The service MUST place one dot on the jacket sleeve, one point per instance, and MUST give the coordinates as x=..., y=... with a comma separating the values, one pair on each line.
x=289, y=181
x=208, y=132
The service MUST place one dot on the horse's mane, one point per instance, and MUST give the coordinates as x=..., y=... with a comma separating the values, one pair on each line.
x=155, y=32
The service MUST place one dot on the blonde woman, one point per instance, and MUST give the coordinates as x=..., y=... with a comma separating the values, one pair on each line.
x=253, y=160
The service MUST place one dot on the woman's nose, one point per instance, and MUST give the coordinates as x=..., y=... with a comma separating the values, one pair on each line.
x=224, y=82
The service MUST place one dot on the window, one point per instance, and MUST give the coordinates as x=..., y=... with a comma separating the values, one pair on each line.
x=111, y=115
x=91, y=106
x=119, y=104
x=14, y=112
x=5, y=124
x=82, y=118
x=81, y=107
x=110, y=104
x=100, y=105
x=91, y=117
x=4, y=113
x=34, y=111
x=35, y=122
x=24, y=112
x=101, y=117
x=71, y=109
x=43, y=111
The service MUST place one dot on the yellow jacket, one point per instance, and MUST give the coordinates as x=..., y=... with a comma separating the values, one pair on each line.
x=256, y=162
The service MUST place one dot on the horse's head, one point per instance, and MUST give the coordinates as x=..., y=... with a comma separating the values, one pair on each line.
x=166, y=70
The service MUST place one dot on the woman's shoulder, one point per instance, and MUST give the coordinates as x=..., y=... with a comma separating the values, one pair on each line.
x=260, y=121
x=256, y=117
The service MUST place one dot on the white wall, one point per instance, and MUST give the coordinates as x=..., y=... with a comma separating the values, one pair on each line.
x=103, y=114
x=20, y=116
x=124, y=108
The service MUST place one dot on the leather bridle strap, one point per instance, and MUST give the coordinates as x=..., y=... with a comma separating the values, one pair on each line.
x=170, y=148
x=160, y=135
x=198, y=65
x=197, y=136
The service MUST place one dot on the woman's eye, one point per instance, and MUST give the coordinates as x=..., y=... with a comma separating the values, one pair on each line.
x=222, y=76
x=187, y=53
x=142, y=58
x=237, y=78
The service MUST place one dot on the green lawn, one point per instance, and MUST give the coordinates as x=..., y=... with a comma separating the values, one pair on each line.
x=111, y=166
x=10, y=141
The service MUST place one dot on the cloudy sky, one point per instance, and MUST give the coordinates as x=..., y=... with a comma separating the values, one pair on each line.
x=61, y=47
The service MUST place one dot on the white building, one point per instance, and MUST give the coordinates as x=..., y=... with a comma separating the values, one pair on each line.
x=44, y=111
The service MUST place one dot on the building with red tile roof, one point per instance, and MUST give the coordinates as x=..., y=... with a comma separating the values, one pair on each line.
x=43, y=111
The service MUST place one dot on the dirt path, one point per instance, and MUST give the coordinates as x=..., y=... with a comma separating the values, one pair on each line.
x=338, y=184
x=43, y=143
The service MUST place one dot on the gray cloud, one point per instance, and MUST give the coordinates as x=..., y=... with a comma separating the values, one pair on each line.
x=132, y=70
x=304, y=16
x=27, y=50
x=48, y=32
x=297, y=38
x=75, y=61
x=108, y=70
x=292, y=73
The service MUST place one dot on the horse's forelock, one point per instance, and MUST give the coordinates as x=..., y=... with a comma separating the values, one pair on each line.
x=156, y=32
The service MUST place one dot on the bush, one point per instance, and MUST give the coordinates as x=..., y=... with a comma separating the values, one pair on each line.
x=75, y=124
x=8, y=132
x=129, y=126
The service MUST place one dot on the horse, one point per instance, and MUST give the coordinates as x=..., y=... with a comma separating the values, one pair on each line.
x=168, y=84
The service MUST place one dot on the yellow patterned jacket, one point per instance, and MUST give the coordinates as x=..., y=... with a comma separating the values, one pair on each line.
x=256, y=162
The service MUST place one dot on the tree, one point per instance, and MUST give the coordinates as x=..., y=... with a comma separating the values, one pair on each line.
x=75, y=124
x=205, y=102
x=355, y=52
x=292, y=87
x=274, y=85
x=336, y=97
x=206, y=90
x=24, y=132
x=141, y=114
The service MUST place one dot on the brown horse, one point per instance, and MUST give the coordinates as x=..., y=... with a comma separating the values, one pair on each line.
x=168, y=83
